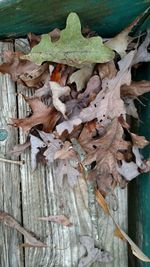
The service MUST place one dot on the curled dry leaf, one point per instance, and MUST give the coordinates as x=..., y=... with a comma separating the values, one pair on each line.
x=81, y=77
x=135, y=89
x=60, y=219
x=31, y=241
x=94, y=254
x=135, y=249
x=47, y=116
x=57, y=92
x=36, y=77
x=139, y=141
x=107, y=70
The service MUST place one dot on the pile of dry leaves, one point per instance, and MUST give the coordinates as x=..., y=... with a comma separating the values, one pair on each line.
x=83, y=99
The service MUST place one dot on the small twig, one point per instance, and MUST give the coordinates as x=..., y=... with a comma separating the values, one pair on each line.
x=21, y=162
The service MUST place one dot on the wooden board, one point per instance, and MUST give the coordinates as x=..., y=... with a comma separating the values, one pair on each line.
x=10, y=252
x=42, y=196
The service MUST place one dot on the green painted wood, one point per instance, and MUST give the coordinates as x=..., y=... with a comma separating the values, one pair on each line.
x=107, y=17
x=139, y=189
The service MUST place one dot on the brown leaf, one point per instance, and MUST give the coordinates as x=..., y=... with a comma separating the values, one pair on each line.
x=135, y=89
x=36, y=77
x=65, y=168
x=57, y=92
x=139, y=141
x=15, y=66
x=60, y=219
x=104, y=150
x=33, y=39
x=108, y=103
x=107, y=70
x=11, y=222
x=17, y=150
x=65, y=152
x=47, y=116
x=81, y=77
x=135, y=250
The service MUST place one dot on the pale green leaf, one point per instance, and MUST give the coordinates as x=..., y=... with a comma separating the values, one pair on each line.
x=71, y=48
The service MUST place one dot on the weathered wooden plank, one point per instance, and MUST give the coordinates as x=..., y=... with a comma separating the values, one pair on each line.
x=10, y=252
x=42, y=196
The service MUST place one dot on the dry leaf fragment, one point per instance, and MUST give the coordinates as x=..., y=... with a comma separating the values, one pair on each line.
x=36, y=144
x=17, y=150
x=93, y=254
x=120, y=42
x=53, y=144
x=135, y=250
x=139, y=141
x=107, y=70
x=81, y=76
x=60, y=219
x=36, y=77
x=11, y=222
x=93, y=87
x=47, y=116
x=143, y=54
x=65, y=152
x=68, y=125
x=15, y=66
x=129, y=170
x=57, y=92
x=135, y=89
x=65, y=168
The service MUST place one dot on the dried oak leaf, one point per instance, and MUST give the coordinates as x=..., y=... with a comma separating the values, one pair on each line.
x=11, y=222
x=60, y=219
x=108, y=103
x=71, y=48
x=135, y=89
x=15, y=66
x=57, y=92
x=53, y=145
x=81, y=76
x=93, y=254
x=47, y=116
x=65, y=168
x=103, y=151
x=37, y=77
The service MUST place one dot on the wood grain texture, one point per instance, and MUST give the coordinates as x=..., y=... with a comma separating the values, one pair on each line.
x=10, y=252
x=42, y=196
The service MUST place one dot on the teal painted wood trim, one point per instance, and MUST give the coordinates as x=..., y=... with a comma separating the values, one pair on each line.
x=18, y=17
x=139, y=189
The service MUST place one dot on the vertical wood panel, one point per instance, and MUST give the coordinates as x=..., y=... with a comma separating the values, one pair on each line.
x=10, y=252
